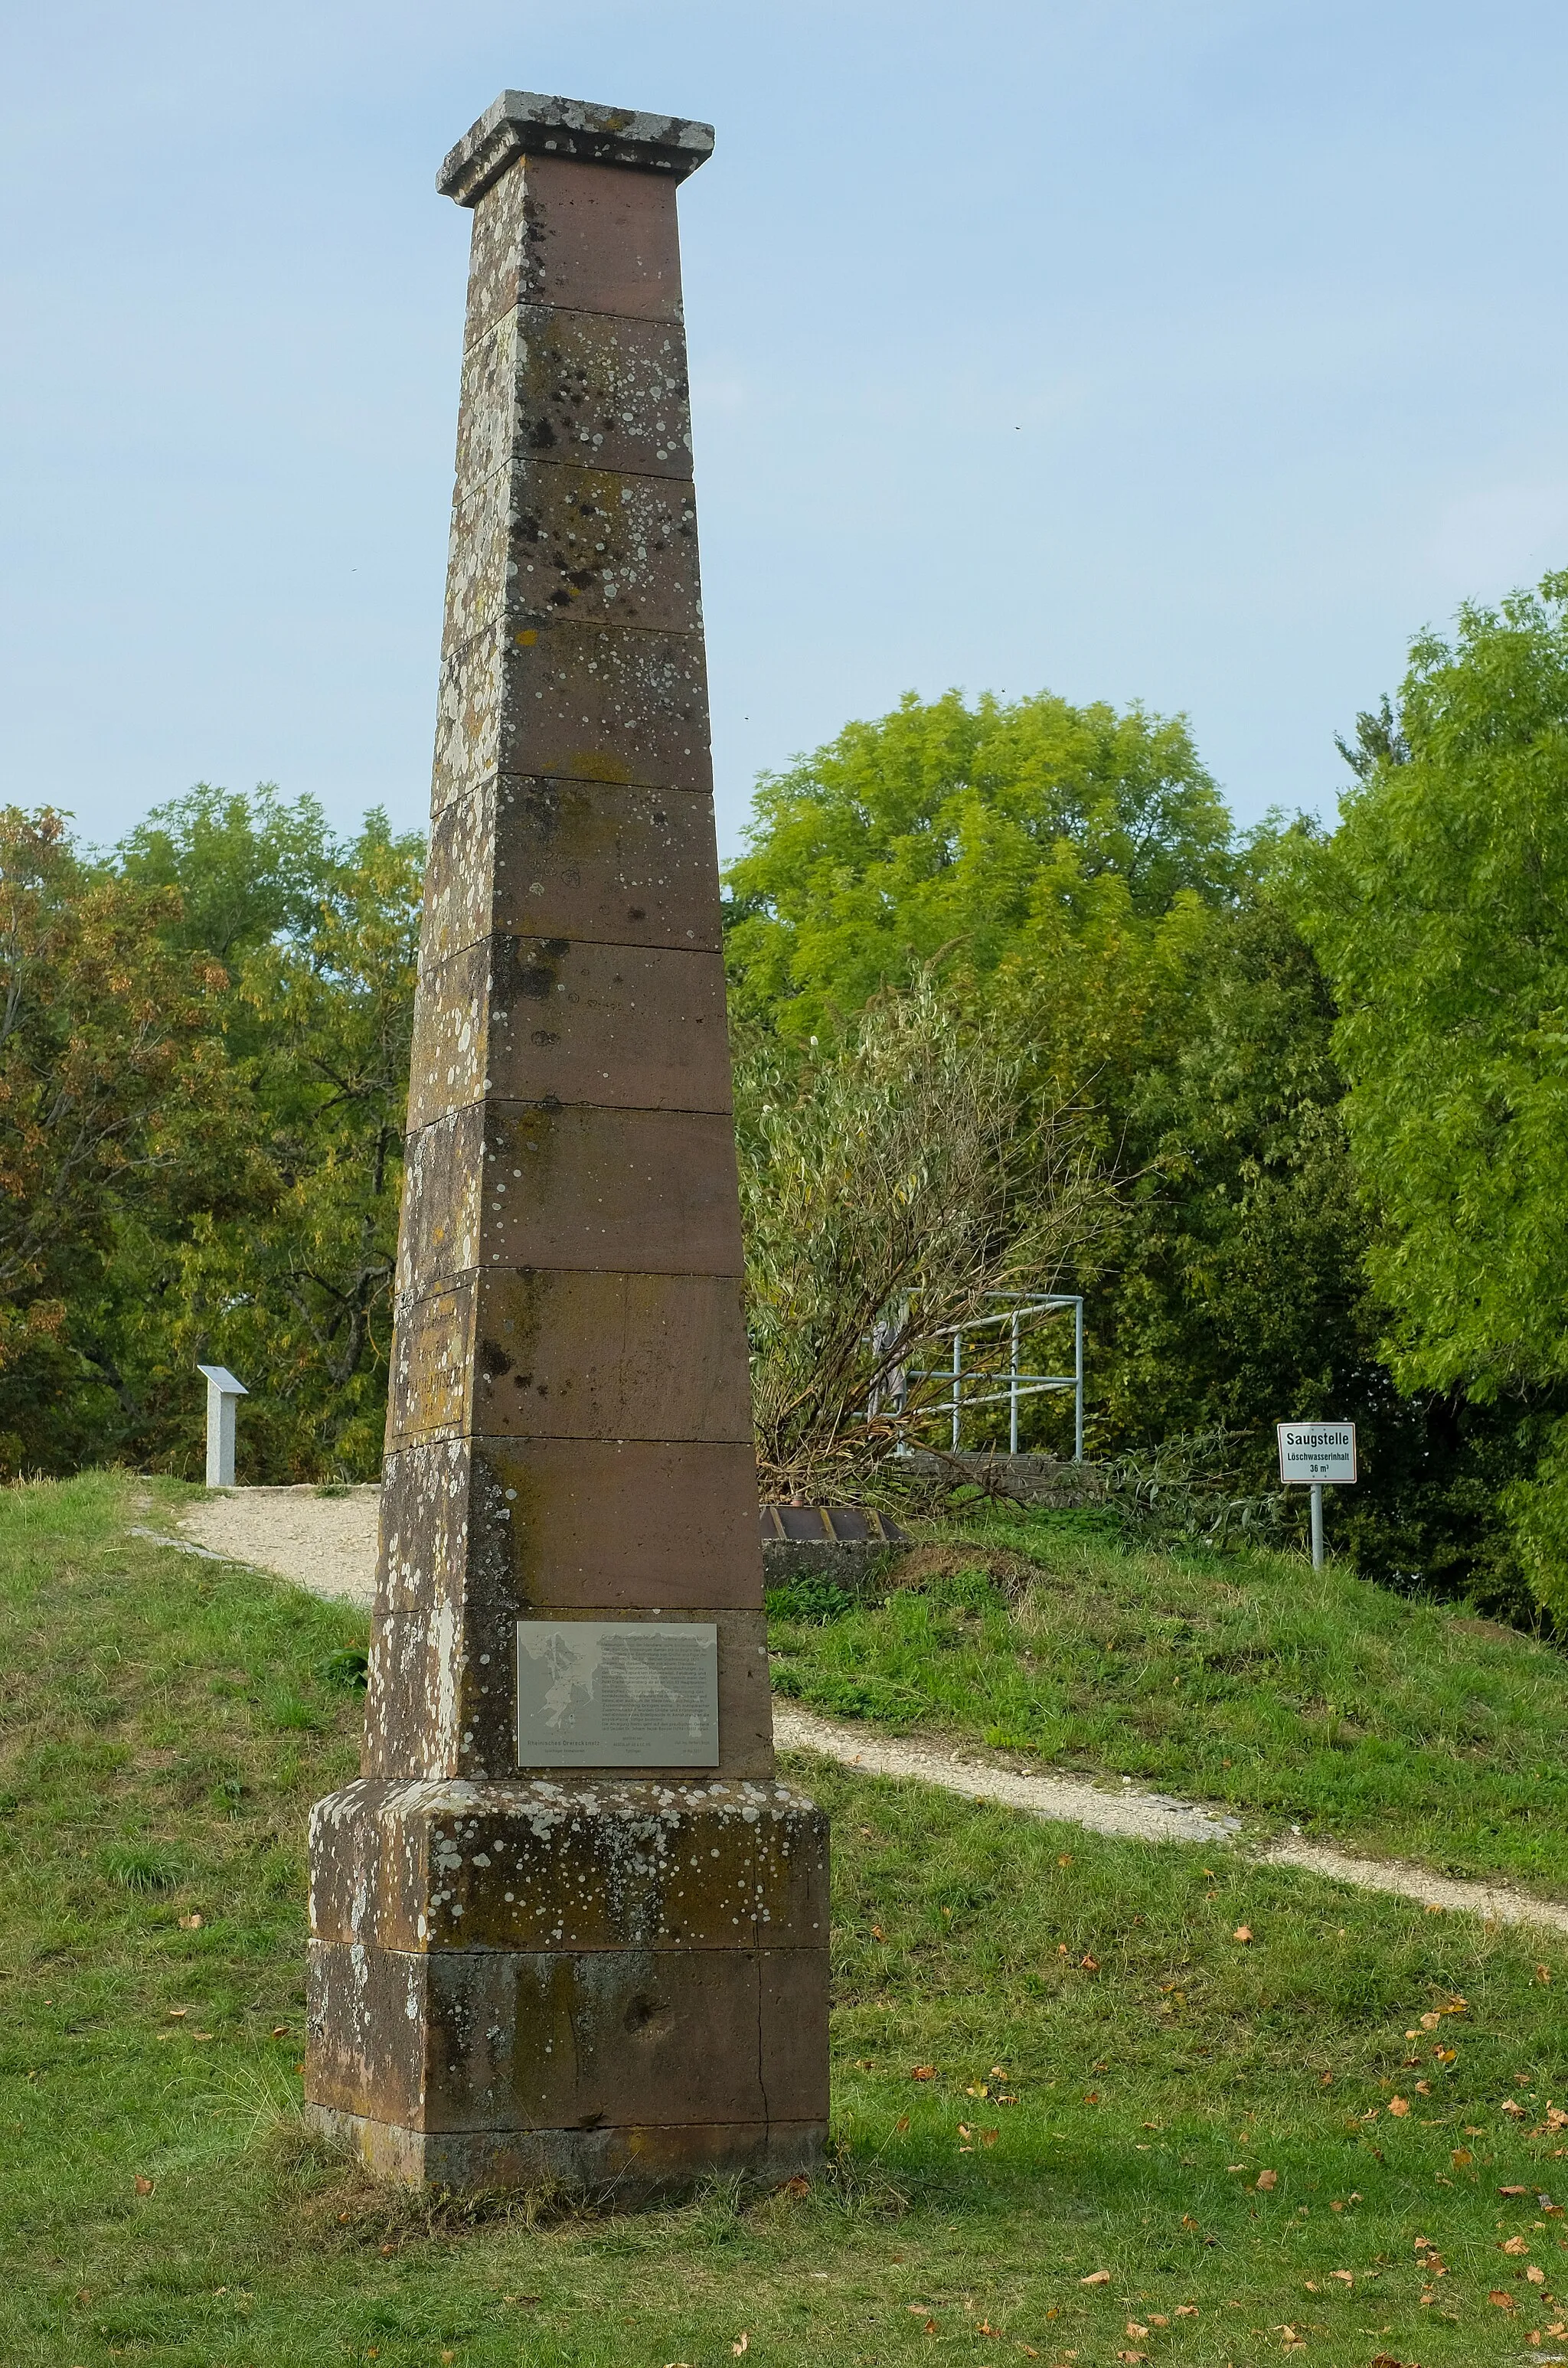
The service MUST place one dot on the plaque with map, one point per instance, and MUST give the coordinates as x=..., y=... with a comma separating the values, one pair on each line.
x=617, y=1693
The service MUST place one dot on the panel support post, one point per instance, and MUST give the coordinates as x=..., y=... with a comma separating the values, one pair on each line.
x=223, y=1395
x=568, y=1925
x=1317, y=1525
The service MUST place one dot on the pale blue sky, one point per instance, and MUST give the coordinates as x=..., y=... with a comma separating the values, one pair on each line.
x=1198, y=351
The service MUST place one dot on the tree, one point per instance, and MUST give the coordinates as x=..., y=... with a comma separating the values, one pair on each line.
x=979, y=830
x=888, y=1186
x=110, y=1087
x=281, y=1266
x=1440, y=915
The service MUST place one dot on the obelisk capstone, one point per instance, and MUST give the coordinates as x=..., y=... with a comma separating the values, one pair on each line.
x=567, y=1923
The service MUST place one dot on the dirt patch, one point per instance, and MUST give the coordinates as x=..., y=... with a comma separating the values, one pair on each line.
x=1492, y=1628
x=1013, y=1573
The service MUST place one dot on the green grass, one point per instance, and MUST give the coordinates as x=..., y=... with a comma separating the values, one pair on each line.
x=1293, y=1696
x=1109, y=2071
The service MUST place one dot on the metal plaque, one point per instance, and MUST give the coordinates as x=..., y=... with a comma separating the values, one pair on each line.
x=617, y=1693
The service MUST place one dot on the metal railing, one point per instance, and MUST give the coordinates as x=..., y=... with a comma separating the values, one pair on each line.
x=1020, y=1311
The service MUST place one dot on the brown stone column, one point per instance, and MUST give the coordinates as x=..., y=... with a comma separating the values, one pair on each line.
x=524, y=1963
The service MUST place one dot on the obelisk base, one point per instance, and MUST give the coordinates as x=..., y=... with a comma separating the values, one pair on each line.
x=606, y=1984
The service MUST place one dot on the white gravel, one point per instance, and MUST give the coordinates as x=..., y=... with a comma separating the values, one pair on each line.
x=327, y=1544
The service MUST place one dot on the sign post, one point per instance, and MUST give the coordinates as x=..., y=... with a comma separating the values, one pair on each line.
x=1312, y=1455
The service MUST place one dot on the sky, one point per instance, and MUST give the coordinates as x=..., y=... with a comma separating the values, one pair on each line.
x=1194, y=352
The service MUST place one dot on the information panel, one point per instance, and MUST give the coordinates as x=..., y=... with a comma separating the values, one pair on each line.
x=617, y=1693
x=1313, y=1454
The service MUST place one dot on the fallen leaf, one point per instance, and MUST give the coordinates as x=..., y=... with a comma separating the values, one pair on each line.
x=1089, y=1964
x=143, y=2186
x=190, y=1923
x=1500, y=2301
x=178, y=2013
x=1092, y=2096
x=801, y=2185
x=742, y=2343
x=1241, y=1933
x=279, y=2030
x=1096, y=2278
x=1543, y=1973
x=902, y=2123
x=1537, y=2277
x=1511, y=2106
x=1422, y=2088
x=1399, y=2106
x=1325, y=2080
x=1267, y=2179
x=1135, y=2332
x=877, y=1932
x=1186, y=2310
x=1346, y=2277
x=989, y=2137
x=1028, y=2351
x=1514, y=2245
x=923, y=2072
x=1462, y=2158
x=1513, y=2191
x=1430, y=2021
x=985, y=2328
x=1065, y=1859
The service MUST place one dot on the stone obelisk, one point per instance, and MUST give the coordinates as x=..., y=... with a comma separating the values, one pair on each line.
x=567, y=1923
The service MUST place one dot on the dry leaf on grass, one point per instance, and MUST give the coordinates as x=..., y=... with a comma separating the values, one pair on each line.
x=1500, y=2301
x=1462, y=2158
x=1242, y=1933
x=143, y=2186
x=923, y=2072
x=1399, y=2106
x=1514, y=2245
x=1096, y=2278
x=742, y=2343
x=1267, y=2179
x=190, y=1923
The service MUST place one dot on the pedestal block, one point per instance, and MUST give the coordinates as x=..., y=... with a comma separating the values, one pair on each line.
x=523, y=1965
x=598, y=1982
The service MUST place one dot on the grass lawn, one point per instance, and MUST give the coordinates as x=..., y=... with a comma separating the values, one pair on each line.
x=1294, y=1696
x=1055, y=2059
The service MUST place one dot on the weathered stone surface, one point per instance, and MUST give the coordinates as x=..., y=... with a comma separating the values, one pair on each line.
x=617, y=1979
x=625, y=867
x=634, y=1191
x=502, y=2039
x=582, y=238
x=630, y=1524
x=625, y=2164
x=572, y=1356
x=573, y=1863
x=584, y=703
x=549, y=1020
x=529, y=547
x=543, y=385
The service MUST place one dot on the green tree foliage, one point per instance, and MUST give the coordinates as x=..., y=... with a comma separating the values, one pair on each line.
x=263, y=1231
x=1440, y=914
x=110, y=1074
x=1046, y=847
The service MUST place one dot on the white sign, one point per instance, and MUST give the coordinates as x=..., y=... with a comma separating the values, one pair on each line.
x=617, y=1693
x=1313, y=1452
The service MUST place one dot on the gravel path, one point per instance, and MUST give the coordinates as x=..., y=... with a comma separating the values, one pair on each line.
x=327, y=1544
x=1144, y=1816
